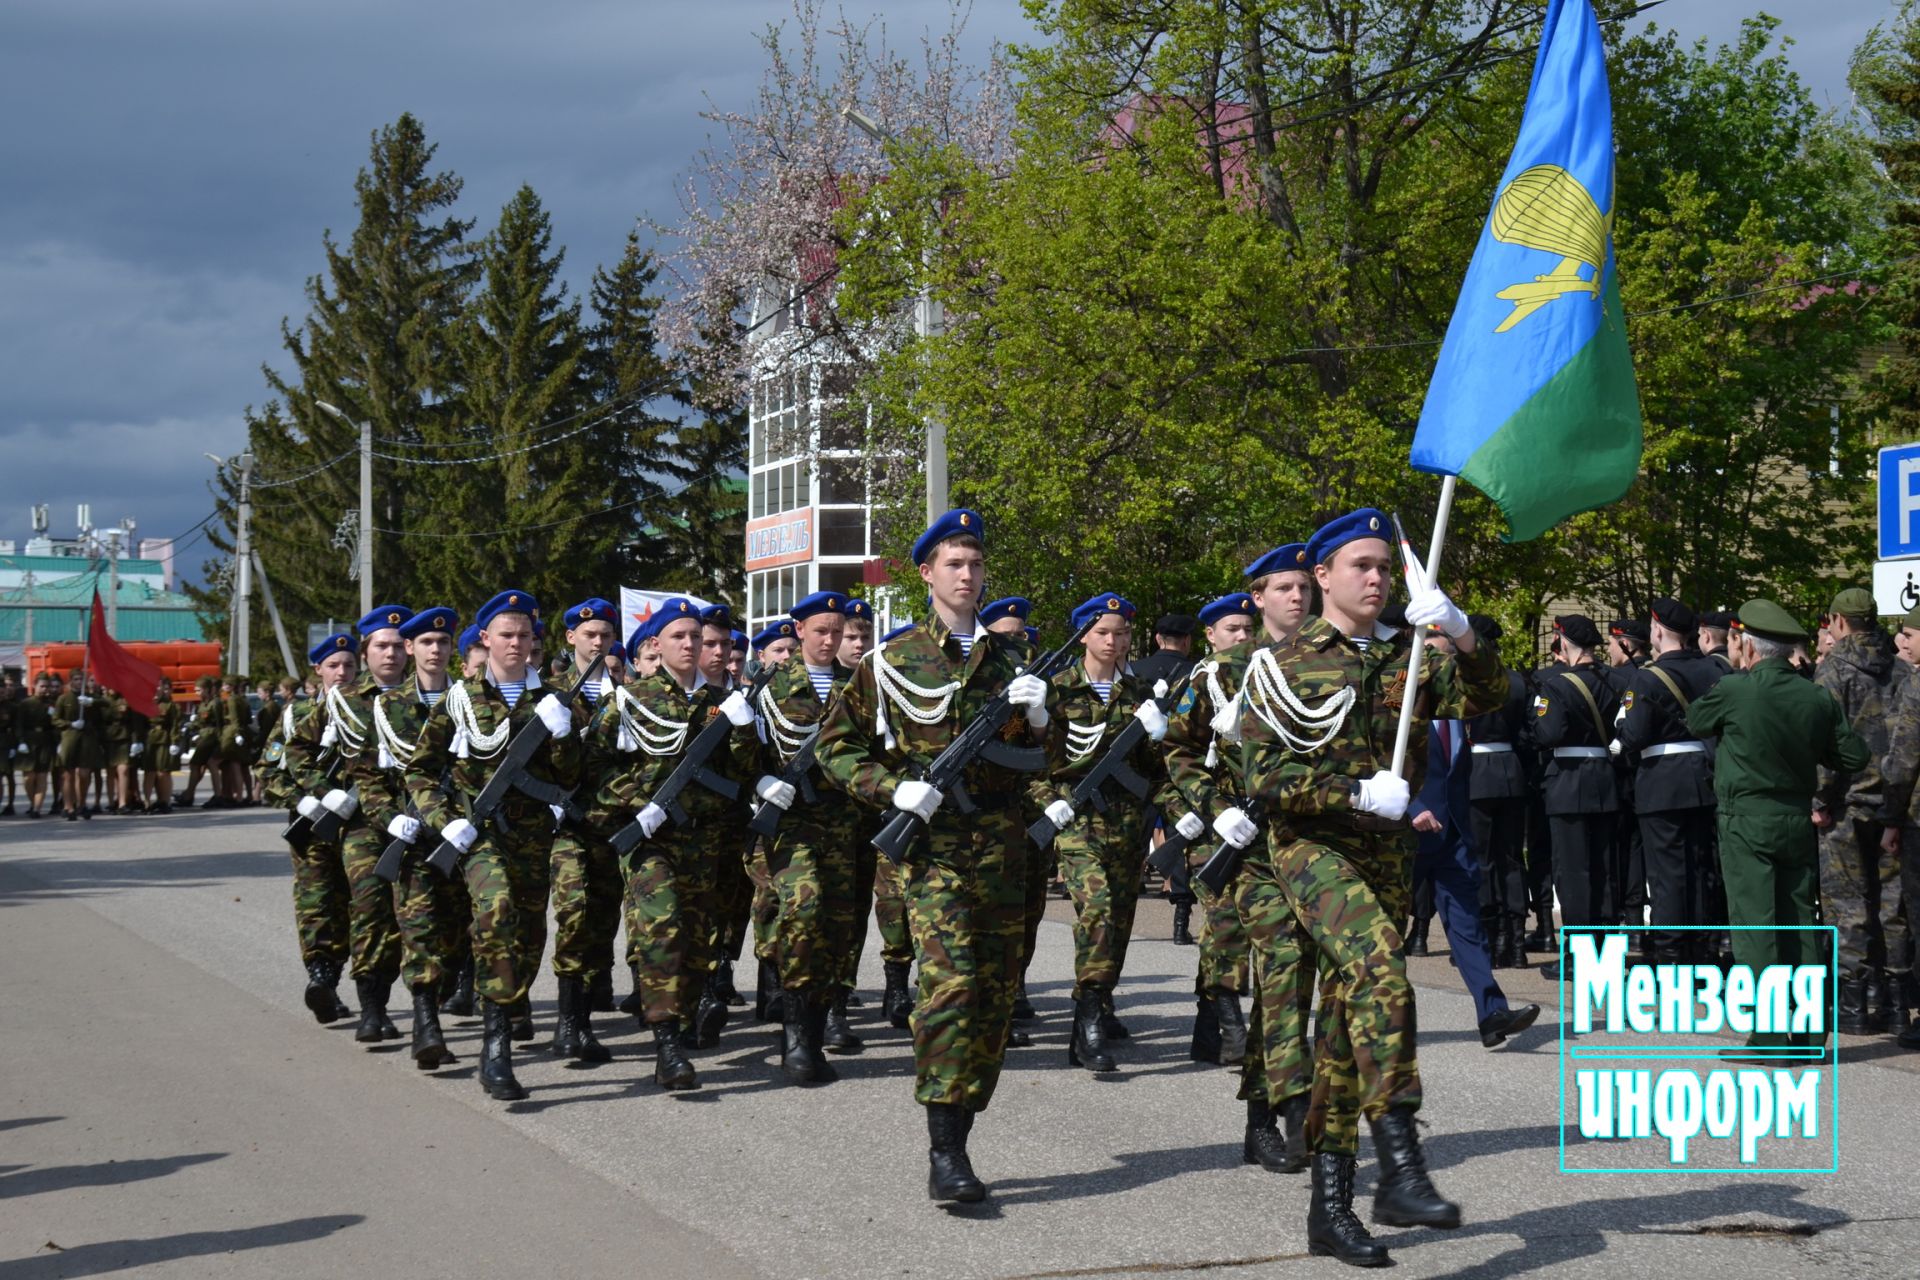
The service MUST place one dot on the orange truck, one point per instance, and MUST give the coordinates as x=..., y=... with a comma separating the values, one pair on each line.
x=181, y=661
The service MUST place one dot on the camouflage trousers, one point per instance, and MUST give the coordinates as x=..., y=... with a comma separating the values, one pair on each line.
x=433, y=916
x=965, y=891
x=766, y=904
x=1351, y=890
x=1860, y=896
x=866, y=871
x=321, y=902
x=671, y=906
x=733, y=893
x=813, y=874
x=507, y=877
x=376, y=935
x=586, y=904
x=1101, y=859
x=890, y=912
x=1223, y=938
x=1279, y=1064
x=1041, y=864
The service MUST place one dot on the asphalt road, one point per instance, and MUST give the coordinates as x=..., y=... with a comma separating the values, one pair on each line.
x=169, y=1108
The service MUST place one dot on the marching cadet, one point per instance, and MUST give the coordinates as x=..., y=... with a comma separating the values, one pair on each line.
x=966, y=877
x=506, y=865
x=38, y=742
x=1100, y=853
x=9, y=735
x=1859, y=880
x=737, y=885
x=1573, y=721
x=429, y=909
x=1714, y=627
x=1629, y=640
x=1319, y=711
x=586, y=872
x=117, y=737
x=1008, y=616
x=774, y=644
x=205, y=729
x=321, y=895
x=857, y=637
x=473, y=654
x=1900, y=768
x=1673, y=787
x=1499, y=793
x=737, y=662
x=670, y=894
x=876, y=881
x=1172, y=655
x=235, y=753
x=161, y=750
x=812, y=855
x=79, y=744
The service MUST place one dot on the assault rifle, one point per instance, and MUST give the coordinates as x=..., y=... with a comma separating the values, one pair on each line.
x=799, y=775
x=1111, y=767
x=300, y=832
x=693, y=768
x=1219, y=869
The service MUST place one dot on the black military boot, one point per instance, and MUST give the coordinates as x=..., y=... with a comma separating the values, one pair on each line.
x=459, y=1002
x=1516, y=933
x=1183, y=923
x=709, y=1016
x=1417, y=936
x=800, y=1058
x=838, y=1037
x=1109, y=1020
x=1088, y=1045
x=898, y=1001
x=1296, y=1114
x=1233, y=1028
x=634, y=1000
x=591, y=1050
x=522, y=1011
x=1263, y=1144
x=600, y=992
x=950, y=1174
x=767, y=995
x=1333, y=1231
x=1853, y=1005
x=1206, y=1030
x=429, y=1042
x=1882, y=1005
x=374, y=1026
x=671, y=1070
x=566, y=1026
x=1497, y=941
x=322, y=977
x=1404, y=1196
x=496, y=1054
x=723, y=987
x=1023, y=1010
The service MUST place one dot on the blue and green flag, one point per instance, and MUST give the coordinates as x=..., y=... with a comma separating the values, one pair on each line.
x=1533, y=401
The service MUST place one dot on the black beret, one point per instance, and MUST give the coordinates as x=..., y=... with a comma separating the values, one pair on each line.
x=1718, y=620
x=1486, y=626
x=1632, y=629
x=1394, y=615
x=1674, y=616
x=1174, y=624
x=1578, y=628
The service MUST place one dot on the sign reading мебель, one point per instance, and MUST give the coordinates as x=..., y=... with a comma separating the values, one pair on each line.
x=773, y=541
x=1679, y=1068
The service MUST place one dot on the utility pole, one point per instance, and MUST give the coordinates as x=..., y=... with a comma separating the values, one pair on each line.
x=113, y=581
x=273, y=613
x=366, y=502
x=27, y=582
x=243, y=573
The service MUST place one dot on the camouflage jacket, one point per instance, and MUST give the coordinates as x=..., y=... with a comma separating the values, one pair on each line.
x=870, y=741
x=1900, y=766
x=314, y=765
x=1081, y=728
x=400, y=713
x=1303, y=785
x=641, y=734
x=1860, y=671
x=450, y=768
x=1201, y=761
x=789, y=709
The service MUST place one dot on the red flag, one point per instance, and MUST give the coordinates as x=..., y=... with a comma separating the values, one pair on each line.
x=134, y=679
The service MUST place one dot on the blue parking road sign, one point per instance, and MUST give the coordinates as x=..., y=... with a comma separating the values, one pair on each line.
x=1900, y=501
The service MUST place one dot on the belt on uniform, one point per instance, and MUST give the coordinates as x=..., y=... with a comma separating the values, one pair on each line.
x=1579, y=753
x=1672, y=749
x=1491, y=748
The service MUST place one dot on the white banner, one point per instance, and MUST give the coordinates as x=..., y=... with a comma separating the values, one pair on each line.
x=637, y=606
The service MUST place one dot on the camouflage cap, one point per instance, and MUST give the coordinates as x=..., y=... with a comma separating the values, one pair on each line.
x=1769, y=621
x=1855, y=602
x=1911, y=620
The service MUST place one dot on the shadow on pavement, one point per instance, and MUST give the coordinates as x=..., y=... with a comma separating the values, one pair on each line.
x=1131, y=1170
x=25, y=880
x=122, y=1255
x=108, y=1173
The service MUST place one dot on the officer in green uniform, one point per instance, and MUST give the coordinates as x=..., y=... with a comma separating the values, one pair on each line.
x=1321, y=712
x=236, y=737
x=162, y=749
x=322, y=899
x=78, y=727
x=966, y=878
x=1776, y=734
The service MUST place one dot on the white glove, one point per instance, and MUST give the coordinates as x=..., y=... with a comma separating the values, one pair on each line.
x=775, y=792
x=1384, y=793
x=136, y=749
x=559, y=814
x=651, y=819
x=340, y=804
x=404, y=828
x=177, y=753
x=86, y=699
x=25, y=749
x=917, y=798
x=308, y=806
x=553, y=713
x=460, y=834
x=1028, y=695
x=79, y=720
x=239, y=739
x=329, y=735
x=1159, y=688
x=1190, y=826
x=737, y=710
x=1153, y=718
x=1613, y=748
x=1431, y=608
x=1060, y=813
x=1235, y=827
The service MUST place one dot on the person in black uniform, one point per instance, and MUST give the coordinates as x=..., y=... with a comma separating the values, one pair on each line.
x=1539, y=834
x=1628, y=641
x=1172, y=655
x=1499, y=792
x=1713, y=637
x=1673, y=786
x=1573, y=720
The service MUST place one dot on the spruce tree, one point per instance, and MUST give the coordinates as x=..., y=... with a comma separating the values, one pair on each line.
x=1887, y=77
x=626, y=377
x=702, y=521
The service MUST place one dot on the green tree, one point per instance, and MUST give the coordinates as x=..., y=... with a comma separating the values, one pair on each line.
x=1886, y=77
x=628, y=376
x=698, y=526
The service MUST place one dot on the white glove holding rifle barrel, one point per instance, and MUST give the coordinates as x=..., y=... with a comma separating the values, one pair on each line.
x=1027, y=694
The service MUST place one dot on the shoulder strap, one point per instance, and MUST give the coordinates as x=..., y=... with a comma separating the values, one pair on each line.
x=1673, y=687
x=1593, y=708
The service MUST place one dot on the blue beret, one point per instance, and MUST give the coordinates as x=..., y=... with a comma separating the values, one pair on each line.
x=782, y=630
x=717, y=615
x=469, y=638
x=1033, y=635
x=382, y=617
x=672, y=609
x=340, y=642
x=739, y=641
x=1006, y=607
x=819, y=602
x=896, y=633
x=592, y=609
x=1096, y=606
x=506, y=602
x=857, y=609
x=539, y=627
x=632, y=647
x=1367, y=522
x=1292, y=555
x=1226, y=607
x=438, y=618
x=951, y=525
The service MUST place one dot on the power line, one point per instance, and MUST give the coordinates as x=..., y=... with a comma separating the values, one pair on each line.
x=554, y=524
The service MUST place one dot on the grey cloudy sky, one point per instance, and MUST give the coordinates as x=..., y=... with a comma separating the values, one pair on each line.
x=169, y=166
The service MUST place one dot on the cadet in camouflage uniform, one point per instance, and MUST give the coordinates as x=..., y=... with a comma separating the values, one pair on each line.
x=737, y=890
x=507, y=864
x=670, y=897
x=1859, y=879
x=965, y=881
x=1008, y=617
x=888, y=887
x=1900, y=771
x=1100, y=853
x=321, y=896
x=1320, y=709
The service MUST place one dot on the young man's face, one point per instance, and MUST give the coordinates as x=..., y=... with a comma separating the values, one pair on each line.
x=387, y=656
x=509, y=641
x=1354, y=580
x=716, y=650
x=1283, y=600
x=820, y=638
x=679, y=646
x=855, y=641
x=589, y=640
x=954, y=573
x=475, y=661
x=1007, y=627
x=1108, y=642
x=1235, y=628
x=431, y=653
x=336, y=669
x=647, y=661
x=779, y=651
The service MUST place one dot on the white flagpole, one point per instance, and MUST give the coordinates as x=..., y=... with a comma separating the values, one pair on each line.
x=1417, y=658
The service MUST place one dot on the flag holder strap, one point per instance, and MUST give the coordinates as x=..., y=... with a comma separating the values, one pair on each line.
x=1416, y=659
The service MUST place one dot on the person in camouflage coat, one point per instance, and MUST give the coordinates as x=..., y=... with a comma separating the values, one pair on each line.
x=1008, y=617
x=965, y=880
x=321, y=895
x=1320, y=714
x=507, y=864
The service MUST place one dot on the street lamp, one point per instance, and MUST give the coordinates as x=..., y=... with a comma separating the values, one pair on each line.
x=366, y=503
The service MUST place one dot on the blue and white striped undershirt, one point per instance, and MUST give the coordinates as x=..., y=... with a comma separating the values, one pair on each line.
x=432, y=696
x=966, y=643
x=822, y=678
x=1103, y=689
x=593, y=689
x=511, y=691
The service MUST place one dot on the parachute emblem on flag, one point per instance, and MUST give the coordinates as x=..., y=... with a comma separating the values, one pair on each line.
x=1546, y=208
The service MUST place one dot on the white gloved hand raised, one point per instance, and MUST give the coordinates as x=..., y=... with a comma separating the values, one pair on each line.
x=917, y=798
x=1235, y=827
x=460, y=834
x=404, y=828
x=308, y=806
x=775, y=792
x=737, y=710
x=1385, y=794
x=1430, y=607
x=554, y=714
x=1153, y=719
x=1190, y=826
x=339, y=803
x=1028, y=695
x=651, y=819
x=1060, y=814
